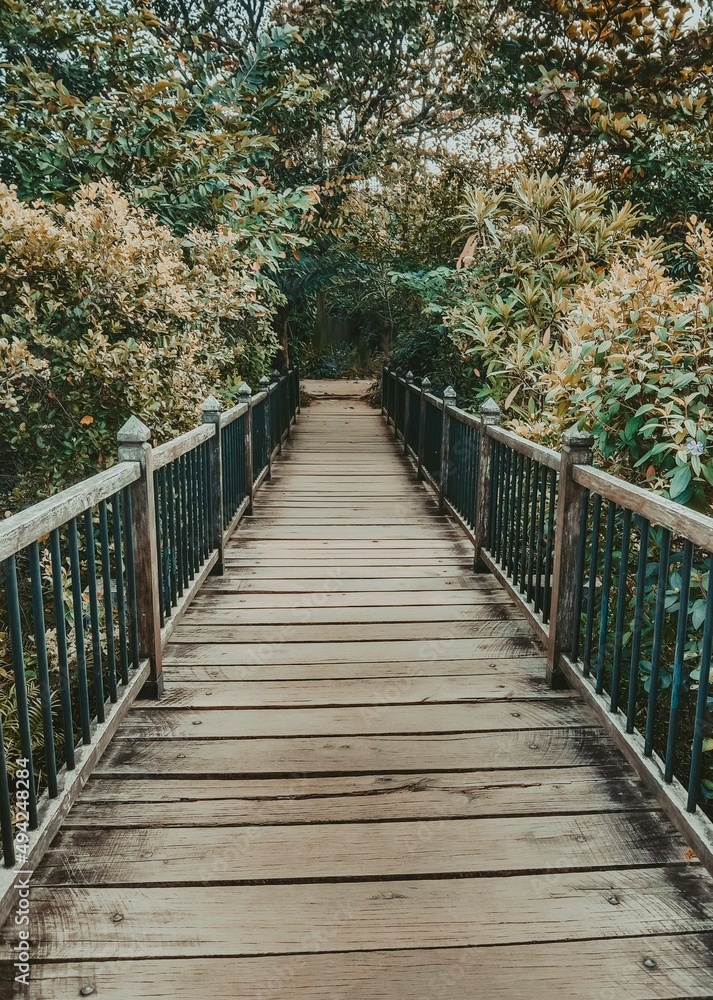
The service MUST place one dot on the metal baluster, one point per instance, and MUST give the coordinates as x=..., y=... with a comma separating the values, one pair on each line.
x=579, y=580
x=90, y=541
x=60, y=625
x=659, y=618
x=677, y=683
x=592, y=586
x=620, y=610
x=120, y=598
x=43, y=677
x=130, y=577
x=638, y=623
x=699, y=730
x=18, y=670
x=606, y=585
x=549, y=544
x=78, y=607
x=108, y=605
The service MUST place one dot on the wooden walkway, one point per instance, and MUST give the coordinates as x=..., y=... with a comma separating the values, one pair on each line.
x=358, y=785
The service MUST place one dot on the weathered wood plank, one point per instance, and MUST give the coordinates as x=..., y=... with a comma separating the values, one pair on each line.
x=162, y=722
x=200, y=855
x=515, y=639
x=342, y=571
x=215, y=613
x=334, y=583
x=320, y=755
x=345, y=684
x=76, y=923
x=423, y=600
x=496, y=625
x=678, y=966
x=136, y=801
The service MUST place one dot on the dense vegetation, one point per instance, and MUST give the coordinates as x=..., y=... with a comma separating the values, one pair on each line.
x=508, y=196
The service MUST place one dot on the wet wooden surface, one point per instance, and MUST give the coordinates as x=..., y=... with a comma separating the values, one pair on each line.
x=359, y=786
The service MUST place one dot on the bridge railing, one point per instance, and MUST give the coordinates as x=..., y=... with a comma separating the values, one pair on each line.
x=95, y=579
x=613, y=578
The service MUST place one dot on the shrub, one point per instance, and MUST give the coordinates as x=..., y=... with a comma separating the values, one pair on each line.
x=104, y=313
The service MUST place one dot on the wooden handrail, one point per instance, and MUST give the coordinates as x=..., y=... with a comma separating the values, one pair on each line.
x=27, y=526
x=690, y=524
x=182, y=444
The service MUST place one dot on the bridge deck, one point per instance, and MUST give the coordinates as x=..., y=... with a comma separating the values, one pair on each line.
x=358, y=785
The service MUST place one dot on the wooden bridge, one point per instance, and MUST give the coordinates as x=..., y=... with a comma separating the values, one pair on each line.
x=358, y=781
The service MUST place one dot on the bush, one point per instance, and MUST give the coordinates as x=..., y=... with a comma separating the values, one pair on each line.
x=105, y=313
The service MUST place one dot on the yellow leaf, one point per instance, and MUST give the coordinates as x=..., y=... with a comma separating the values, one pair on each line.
x=87, y=420
x=512, y=395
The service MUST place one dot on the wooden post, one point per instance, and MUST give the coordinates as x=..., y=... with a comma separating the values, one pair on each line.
x=275, y=387
x=245, y=395
x=288, y=401
x=298, y=407
x=211, y=415
x=407, y=408
x=576, y=450
x=425, y=387
x=449, y=399
x=489, y=417
x=384, y=376
x=133, y=439
x=265, y=385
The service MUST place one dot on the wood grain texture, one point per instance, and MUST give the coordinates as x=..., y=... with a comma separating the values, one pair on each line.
x=163, y=722
x=75, y=923
x=347, y=851
x=566, y=970
x=137, y=801
x=354, y=754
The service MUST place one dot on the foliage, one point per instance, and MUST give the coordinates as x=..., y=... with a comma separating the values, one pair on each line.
x=637, y=367
x=528, y=249
x=105, y=312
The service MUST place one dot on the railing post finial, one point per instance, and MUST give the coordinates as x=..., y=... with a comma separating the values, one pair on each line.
x=490, y=413
x=409, y=376
x=133, y=440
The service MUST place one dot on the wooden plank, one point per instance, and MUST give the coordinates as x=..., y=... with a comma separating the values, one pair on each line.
x=347, y=531
x=512, y=638
x=214, y=613
x=368, y=572
x=315, y=755
x=137, y=801
x=409, y=601
x=327, y=635
x=345, y=851
x=678, y=966
x=334, y=583
x=161, y=722
x=347, y=684
x=74, y=923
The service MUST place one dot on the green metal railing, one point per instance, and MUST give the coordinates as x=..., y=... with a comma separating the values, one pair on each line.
x=614, y=579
